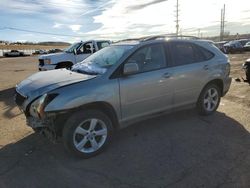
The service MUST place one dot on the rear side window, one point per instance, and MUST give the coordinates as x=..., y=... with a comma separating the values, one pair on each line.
x=184, y=53
x=102, y=44
x=207, y=55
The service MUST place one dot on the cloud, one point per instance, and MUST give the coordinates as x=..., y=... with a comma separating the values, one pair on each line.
x=57, y=25
x=75, y=28
x=143, y=5
x=119, y=21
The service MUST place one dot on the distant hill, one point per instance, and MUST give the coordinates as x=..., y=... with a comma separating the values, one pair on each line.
x=49, y=43
x=54, y=43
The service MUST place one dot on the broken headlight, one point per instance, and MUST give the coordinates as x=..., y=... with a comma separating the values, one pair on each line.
x=37, y=107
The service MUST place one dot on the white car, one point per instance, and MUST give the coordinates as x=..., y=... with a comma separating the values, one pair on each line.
x=77, y=52
x=13, y=53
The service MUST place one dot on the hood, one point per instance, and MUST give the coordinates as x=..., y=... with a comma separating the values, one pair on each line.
x=45, y=81
x=48, y=56
x=58, y=57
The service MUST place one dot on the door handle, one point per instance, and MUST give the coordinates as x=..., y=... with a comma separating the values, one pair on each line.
x=205, y=67
x=166, y=75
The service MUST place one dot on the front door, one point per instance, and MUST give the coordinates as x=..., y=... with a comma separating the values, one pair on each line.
x=150, y=89
x=84, y=51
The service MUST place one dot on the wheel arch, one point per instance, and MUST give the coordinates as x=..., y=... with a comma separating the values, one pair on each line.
x=104, y=107
x=218, y=82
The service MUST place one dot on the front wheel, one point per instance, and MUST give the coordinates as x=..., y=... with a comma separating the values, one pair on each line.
x=87, y=133
x=209, y=99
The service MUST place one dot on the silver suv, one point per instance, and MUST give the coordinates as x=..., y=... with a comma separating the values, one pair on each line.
x=121, y=84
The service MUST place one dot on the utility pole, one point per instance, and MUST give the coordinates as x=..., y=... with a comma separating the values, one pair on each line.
x=177, y=18
x=222, y=23
x=199, y=32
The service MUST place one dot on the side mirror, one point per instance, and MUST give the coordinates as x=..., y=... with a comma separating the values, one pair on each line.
x=130, y=68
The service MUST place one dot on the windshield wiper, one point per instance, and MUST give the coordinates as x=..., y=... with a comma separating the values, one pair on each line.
x=85, y=72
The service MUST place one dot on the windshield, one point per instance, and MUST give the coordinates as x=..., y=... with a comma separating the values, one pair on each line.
x=71, y=48
x=101, y=61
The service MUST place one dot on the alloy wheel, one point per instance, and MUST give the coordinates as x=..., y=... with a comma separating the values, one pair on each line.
x=211, y=99
x=90, y=135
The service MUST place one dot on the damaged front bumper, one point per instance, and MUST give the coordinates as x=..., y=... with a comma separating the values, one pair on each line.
x=35, y=123
x=44, y=126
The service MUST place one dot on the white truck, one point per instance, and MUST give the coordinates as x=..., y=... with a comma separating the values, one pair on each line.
x=77, y=52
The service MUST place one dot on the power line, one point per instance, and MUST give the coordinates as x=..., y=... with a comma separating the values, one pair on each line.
x=38, y=32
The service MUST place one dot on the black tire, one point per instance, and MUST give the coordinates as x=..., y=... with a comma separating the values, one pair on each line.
x=69, y=136
x=64, y=65
x=201, y=105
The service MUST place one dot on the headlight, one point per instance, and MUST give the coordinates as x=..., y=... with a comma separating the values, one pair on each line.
x=47, y=61
x=37, y=107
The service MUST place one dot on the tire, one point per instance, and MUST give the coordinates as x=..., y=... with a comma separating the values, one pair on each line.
x=87, y=133
x=64, y=65
x=209, y=99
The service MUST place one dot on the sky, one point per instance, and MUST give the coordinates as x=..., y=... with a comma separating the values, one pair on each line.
x=75, y=20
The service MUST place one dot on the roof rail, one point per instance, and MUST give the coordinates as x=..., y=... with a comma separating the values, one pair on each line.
x=154, y=37
x=169, y=36
x=128, y=40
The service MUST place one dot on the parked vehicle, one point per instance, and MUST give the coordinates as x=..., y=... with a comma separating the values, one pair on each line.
x=72, y=55
x=233, y=47
x=121, y=84
x=246, y=67
x=247, y=46
x=13, y=53
x=243, y=41
x=56, y=50
x=220, y=45
x=40, y=52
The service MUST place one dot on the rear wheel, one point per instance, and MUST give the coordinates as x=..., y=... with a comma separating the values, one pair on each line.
x=209, y=99
x=87, y=133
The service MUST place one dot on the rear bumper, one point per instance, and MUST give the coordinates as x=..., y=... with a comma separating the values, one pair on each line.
x=227, y=83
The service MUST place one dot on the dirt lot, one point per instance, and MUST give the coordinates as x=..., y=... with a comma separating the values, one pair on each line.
x=177, y=150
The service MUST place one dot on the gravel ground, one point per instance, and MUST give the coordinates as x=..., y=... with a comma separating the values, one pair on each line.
x=177, y=150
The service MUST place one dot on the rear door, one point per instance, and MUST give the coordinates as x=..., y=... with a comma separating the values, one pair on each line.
x=150, y=90
x=102, y=44
x=191, y=65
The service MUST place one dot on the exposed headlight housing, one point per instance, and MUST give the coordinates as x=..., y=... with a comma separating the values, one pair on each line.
x=47, y=61
x=37, y=107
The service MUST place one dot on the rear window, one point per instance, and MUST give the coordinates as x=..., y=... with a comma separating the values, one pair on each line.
x=102, y=44
x=205, y=54
x=185, y=53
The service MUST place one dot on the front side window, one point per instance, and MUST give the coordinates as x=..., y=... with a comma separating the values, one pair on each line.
x=73, y=47
x=149, y=58
x=85, y=49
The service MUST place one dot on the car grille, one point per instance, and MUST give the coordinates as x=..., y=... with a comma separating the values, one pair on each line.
x=19, y=99
x=41, y=62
